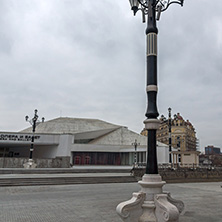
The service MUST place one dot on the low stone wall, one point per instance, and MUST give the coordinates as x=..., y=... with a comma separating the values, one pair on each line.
x=58, y=162
x=184, y=175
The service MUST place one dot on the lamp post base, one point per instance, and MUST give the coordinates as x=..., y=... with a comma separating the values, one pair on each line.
x=30, y=164
x=151, y=204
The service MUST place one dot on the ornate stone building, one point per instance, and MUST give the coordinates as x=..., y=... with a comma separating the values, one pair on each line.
x=183, y=139
x=183, y=135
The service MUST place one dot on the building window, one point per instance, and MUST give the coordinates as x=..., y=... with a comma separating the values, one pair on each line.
x=82, y=141
x=96, y=158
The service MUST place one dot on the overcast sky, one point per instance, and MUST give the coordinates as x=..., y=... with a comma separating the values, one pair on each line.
x=86, y=59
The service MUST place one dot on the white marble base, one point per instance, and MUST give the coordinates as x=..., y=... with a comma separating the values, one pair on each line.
x=30, y=164
x=150, y=204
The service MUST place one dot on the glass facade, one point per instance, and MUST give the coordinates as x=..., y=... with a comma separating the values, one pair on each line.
x=107, y=158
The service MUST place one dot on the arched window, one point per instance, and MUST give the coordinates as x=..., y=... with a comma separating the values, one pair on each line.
x=77, y=160
x=87, y=159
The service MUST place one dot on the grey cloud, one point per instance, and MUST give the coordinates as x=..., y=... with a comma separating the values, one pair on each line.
x=88, y=60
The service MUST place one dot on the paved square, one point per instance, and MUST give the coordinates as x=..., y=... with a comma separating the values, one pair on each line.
x=97, y=202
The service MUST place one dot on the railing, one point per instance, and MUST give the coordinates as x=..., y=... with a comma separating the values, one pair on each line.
x=180, y=166
x=184, y=174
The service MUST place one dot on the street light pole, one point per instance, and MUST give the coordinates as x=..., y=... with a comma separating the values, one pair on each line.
x=156, y=206
x=151, y=113
x=170, y=138
x=33, y=122
x=135, y=144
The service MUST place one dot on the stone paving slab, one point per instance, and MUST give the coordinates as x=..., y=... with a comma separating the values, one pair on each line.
x=97, y=202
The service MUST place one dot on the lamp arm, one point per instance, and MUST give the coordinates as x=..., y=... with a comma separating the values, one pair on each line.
x=159, y=1
x=144, y=5
x=168, y=4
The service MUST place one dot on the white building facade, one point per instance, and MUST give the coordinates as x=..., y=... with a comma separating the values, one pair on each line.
x=84, y=141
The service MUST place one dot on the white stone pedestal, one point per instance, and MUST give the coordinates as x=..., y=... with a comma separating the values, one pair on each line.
x=30, y=164
x=150, y=204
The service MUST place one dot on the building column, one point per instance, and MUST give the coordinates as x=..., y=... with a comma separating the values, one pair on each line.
x=195, y=159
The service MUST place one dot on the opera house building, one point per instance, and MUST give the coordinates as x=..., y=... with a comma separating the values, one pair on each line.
x=80, y=142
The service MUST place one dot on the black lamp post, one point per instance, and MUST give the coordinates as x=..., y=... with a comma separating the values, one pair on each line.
x=151, y=202
x=135, y=144
x=170, y=139
x=33, y=122
x=153, y=9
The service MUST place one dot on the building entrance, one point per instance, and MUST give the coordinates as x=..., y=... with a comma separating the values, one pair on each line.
x=96, y=158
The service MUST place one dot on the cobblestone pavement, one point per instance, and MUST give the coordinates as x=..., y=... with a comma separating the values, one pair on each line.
x=97, y=202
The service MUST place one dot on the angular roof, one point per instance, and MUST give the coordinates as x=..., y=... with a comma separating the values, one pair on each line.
x=101, y=132
x=63, y=125
x=120, y=136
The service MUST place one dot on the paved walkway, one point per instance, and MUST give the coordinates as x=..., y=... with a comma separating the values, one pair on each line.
x=97, y=202
x=8, y=176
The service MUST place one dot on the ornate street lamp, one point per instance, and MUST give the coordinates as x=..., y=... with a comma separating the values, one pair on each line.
x=33, y=122
x=135, y=144
x=170, y=138
x=157, y=5
x=155, y=205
